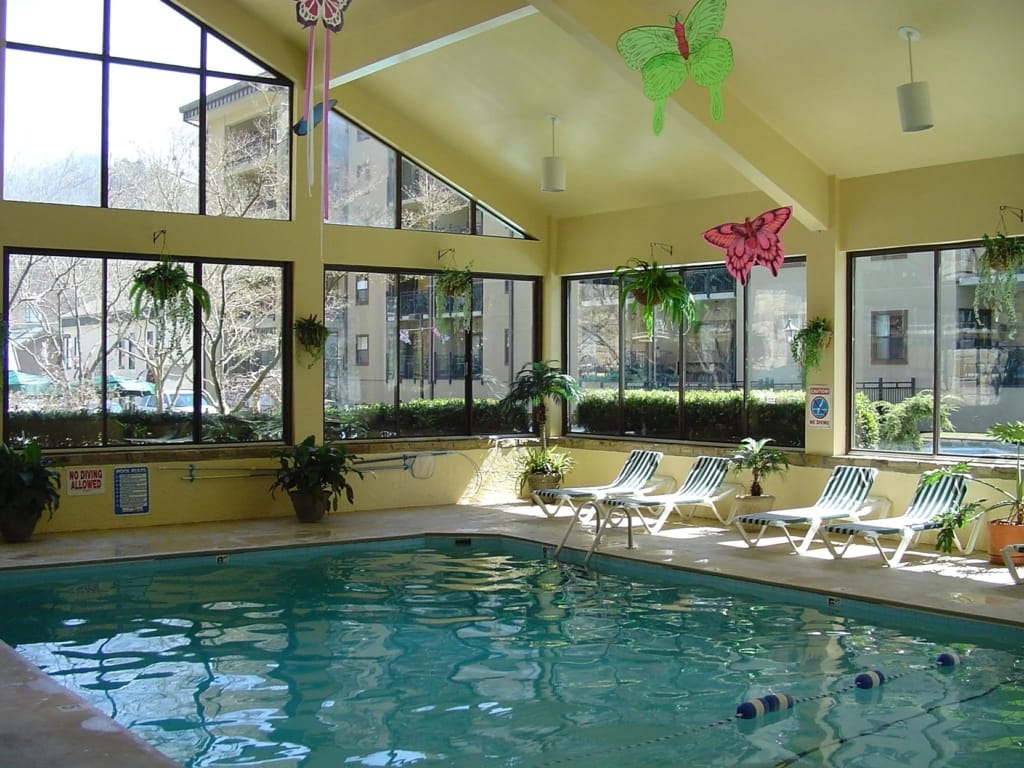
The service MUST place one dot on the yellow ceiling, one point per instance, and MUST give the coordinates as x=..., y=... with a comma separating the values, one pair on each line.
x=811, y=96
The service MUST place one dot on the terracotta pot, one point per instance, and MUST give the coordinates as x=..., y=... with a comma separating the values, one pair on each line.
x=17, y=526
x=309, y=509
x=999, y=535
x=644, y=299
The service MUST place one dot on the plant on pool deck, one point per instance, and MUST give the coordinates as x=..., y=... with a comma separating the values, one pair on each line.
x=542, y=468
x=28, y=487
x=761, y=459
x=1011, y=502
x=314, y=476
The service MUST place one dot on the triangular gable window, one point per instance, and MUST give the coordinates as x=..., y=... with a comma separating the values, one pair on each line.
x=365, y=177
x=183, y=131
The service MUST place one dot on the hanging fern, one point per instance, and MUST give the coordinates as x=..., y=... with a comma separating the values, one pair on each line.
x=1000, y=260
x=312, y=337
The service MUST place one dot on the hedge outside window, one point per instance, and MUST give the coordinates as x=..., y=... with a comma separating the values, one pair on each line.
x=154, y=128
x=959, y=371
x=731, y=371
x=429, y=370
x=83, y=371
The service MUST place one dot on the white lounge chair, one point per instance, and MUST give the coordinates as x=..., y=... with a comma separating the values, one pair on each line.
x=703, y=487
x=844, y=495
x=931, y=500
x=1008, y=552
x=634, y=476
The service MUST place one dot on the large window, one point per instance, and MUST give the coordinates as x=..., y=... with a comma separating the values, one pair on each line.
x=931, y=356
x=726, y=376
x=83, y=370
x=167, y=116
x=409, y=362
x=373, y=185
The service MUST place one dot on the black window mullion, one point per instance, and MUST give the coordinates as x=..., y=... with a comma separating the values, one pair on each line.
x=202, y=123
x=398, y=189
x=105, y=110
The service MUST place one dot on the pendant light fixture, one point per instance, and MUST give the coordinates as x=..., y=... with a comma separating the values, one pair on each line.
x=914, y=99
x=552, y=168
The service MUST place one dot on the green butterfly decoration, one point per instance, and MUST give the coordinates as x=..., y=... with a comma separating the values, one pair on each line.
x=666, y=55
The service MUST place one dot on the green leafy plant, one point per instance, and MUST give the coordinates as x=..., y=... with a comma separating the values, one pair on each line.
x=28, y=487
x=542, y=461
x=312, y=335
x=534, y=384
x=166, y=288
x=761, y=459
x=808, y=343
x=1000, y=260
x=648, y=286
x=315, y=471
x=453, y=291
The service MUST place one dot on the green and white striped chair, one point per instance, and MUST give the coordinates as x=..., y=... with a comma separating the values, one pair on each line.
x=931, y=500
x=634, y=476
x=844, y=496
x=703, y=487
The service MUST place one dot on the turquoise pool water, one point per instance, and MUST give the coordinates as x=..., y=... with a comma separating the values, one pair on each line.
x=431, y=653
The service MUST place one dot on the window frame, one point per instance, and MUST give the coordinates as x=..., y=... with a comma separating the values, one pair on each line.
x=107, y=61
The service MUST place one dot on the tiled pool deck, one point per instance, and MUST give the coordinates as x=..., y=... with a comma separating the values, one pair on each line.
x=43, y=725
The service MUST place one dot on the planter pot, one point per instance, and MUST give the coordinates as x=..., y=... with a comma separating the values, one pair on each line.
x=542, y=481
x=18, y=526
x=309, y=509
x=999, y=535
x=751, y=505
x=653, y=298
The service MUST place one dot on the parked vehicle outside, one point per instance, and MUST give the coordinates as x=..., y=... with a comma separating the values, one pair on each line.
x=183, y=402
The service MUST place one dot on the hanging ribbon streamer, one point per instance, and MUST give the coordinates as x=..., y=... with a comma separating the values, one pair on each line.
x=310, y=13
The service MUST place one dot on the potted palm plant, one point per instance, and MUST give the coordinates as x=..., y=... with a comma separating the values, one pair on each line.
x=763, y=461
x=314, y=476
x=534, y=385
x=648, y=285
x=28, y=487
x=1008, y=528
x=808, y=343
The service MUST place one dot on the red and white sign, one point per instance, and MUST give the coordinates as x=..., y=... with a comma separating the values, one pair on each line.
x=85, y=481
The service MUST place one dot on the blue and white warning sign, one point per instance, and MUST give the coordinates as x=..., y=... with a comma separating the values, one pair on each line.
x=819, y=407
x=131, y=490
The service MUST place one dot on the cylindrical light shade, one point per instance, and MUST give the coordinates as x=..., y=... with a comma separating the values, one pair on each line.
x=915, y=106
x=552, y=174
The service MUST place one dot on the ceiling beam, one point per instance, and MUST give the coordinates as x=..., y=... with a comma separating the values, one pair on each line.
x=424, y=29
x=742, y=138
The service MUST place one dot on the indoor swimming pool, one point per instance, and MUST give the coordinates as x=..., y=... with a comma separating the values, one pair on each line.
x=475, y=652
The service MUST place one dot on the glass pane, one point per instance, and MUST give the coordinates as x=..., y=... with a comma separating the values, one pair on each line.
x=713, y=386
x=430, y=204
x=156, y=348
x=650, y=370
x=71, y=25
x=222, y=57
x=362, y=176
x=893, y=351
x=359, y=362
x=982, y=352
x=47, y=158
x=593, y=331
x=778, y=308
x=150, y=30
x=242, y=368
x=154, y=149
x=54, y=352
x=489, y=224
x=502, y=345
x=247, y=150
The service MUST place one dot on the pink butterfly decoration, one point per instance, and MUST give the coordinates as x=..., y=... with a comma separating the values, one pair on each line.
x=752, y=242
x=309, y=12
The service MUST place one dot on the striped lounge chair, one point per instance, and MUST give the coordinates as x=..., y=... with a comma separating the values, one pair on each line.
x=634, y=476
x=931, y=500
x=703, y=487
x=844, y=496
x=1008, y=552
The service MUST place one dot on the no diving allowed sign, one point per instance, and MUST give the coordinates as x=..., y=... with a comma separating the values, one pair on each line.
x=819, y=407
